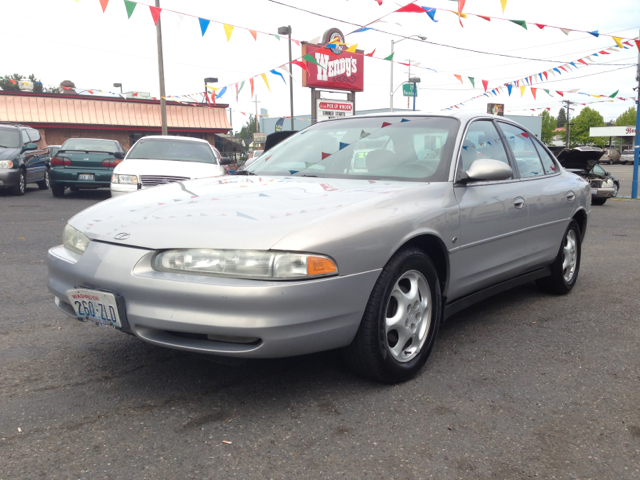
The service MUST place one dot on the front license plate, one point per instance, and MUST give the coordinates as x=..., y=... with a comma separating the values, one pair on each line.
x=96, y=307
x=594, y=191
x=86, y=176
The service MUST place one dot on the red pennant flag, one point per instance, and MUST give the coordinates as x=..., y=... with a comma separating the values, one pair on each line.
x=459, y=77
x=385, y=124
x=300, y=64
x=549, y=108
x=545, y=75
x=564, y=69
x=530, y=80
x=413, y=8
x=135, y=94
x=560, y=93
x=295, y=41
x=488, y=19
x=602, y=52
x=525, y=135
x=517, y=83
x=155, y=13
x=540, y=26
x=325, y=155
x=370, y=54
x=485, y=84
x=460, y=7
x=104, y=4
x=405, y=64
x=582, y=61
x=533, y=92
x=90, y=91
x=236, y=92
x=251, y=82
x=14, y=82
x=254, y=34
x=637, y=44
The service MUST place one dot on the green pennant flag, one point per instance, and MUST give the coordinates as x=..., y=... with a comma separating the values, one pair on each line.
x=277, y=36
x=241, y=85
x=547, y=92
x=613, y=95
x=131, y=6
x=390, y=57
x=471, y=79
x=522, y=23
x=309, y=58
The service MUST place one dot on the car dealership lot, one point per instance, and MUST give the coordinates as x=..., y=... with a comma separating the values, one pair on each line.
x=523, y=384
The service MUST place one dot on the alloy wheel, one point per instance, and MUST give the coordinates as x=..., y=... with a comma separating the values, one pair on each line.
x=569, y=256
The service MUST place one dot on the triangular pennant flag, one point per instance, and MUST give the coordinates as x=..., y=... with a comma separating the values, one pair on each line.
x=522, y=89
x=618, y=41
x=254, y=34
x=459, y=77
x=342, y=145
x=241, y=85
x=370, y=54
x=130, y=6
x=237, y=92
x=541, y=77
x=485, y=84
x=460, y=7
x=228, y=30
x=562, y=67
x=504, y=4
x=582, y=61
x=155, y=13
x=385, y=124
x=548, y=92
x=390, y=57
x=300, y=64
x=222, y=92
x=509, y=88
x=309, y=58
x=540, y=26
x=204, y=24
x=565, y=31
x=575, y=90
x=637, y=44
x=251, y=82
x=281, y=76
x=325, y=155
x=412, y=8
x=613, y=95
x=488, y=19
x=472, y=80
x=404, y=120
x=363, y=134
x=314, y=40
x=277, y=36
x=264, y=77
x=522, y=23
x=103, y=4
x=594, y=33
x=533, y=92
x=295, y=41
x=560, y=93
x=363, y=29
x=546, y=76
x=603, y=53
x=431, y=12
x=352, y=48
x=557, y=70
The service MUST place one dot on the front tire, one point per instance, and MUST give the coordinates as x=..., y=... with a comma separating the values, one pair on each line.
x=565, y=268
x=401, y=320
x=616, y=187
x=598, y=201
x=45, y=182
x=21, y=186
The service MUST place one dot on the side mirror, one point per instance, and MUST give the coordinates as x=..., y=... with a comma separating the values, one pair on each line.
x=225, y=161
x=486, y=170
x=30, y=146
x=119, y=155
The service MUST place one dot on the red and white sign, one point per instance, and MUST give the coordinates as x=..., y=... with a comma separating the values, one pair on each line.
x=344, y=71
x=329, y=109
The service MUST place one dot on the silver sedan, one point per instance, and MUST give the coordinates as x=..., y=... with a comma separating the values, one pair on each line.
x=361, y=233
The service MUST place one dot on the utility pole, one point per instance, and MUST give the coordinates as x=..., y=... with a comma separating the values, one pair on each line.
x=409, y=78
x=257, y=124
x=391, y=82
x=636, y=148
x=287, y=31
x=163, y=101
x=568, y=129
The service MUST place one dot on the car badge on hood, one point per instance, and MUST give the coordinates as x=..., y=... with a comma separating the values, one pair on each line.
x=121, y=236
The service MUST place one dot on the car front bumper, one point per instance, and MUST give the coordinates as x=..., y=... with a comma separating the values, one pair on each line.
x=180, y=311
x=119, y=189
x=9, y=177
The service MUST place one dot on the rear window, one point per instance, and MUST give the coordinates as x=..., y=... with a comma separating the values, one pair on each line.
x=177, y=150
x=90, y=145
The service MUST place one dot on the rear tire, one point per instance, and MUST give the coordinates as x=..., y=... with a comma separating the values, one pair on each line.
x=401, y=320
x=598, y=201
x=565, y=268
x=45, y=182
x=57, y=190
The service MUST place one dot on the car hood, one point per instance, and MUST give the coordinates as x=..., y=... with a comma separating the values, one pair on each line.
x=228, y=212
x=8, y=153
x=169, y=168
x=580, y=158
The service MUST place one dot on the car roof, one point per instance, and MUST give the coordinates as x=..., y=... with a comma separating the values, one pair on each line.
x=175, y=137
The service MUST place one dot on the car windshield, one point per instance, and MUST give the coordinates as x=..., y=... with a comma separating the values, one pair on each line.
x=9, y=137
x=394, y=148
x=165, y=149
x=90, y=145
x=53, y=151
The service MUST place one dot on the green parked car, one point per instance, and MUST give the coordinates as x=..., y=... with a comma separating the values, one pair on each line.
x=84, y=163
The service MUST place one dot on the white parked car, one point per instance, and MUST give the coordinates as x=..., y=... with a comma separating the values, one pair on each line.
x=157, y=160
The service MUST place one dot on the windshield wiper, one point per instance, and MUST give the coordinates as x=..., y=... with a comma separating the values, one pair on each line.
x=305, y=175
x=243, y=172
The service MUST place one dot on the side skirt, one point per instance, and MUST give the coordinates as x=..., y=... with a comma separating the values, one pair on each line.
x=464, y=302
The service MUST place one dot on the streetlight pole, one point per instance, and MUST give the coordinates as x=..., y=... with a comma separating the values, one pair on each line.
x=636, y=148
x=287, y=31
x=391, y=62
x=163, y=101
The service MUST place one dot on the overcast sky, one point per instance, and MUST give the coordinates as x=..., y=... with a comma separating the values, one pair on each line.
x=68, y=40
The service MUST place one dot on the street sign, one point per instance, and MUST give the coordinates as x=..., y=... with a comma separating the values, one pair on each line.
x=259, y=137
x=328, y=109
x=407, y=90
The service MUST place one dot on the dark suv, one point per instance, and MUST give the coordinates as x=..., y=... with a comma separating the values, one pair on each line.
x=21, y=161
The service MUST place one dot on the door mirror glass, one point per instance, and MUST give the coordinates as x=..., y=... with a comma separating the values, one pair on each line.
x=225, y=161
x=119, y=155
x=31, y=146
x=487, y=170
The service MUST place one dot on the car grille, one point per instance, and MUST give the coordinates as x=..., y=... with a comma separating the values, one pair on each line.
x=596, y=183
x=153, y=180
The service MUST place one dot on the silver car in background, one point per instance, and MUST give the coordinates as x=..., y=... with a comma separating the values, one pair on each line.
x=361, y=233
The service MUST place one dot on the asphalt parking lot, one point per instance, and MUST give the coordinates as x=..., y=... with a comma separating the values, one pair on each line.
x=523, y=385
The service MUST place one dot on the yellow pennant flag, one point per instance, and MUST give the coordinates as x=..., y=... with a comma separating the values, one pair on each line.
x=264, y=77
x=212, y=88
x=504, y=4
x=618, y=40
x=352, y=48
x=228, y=29
x=463, y=15
x=522, y=89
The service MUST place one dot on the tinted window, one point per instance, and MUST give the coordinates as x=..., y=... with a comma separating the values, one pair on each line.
x=481, y=141
x=25, y=137
x=547, y=160
x=598, y=170
x=380, y=147
x=34, y=135
x=9, y=137
x=523, y=150
x=178, y=150
x=90, y=145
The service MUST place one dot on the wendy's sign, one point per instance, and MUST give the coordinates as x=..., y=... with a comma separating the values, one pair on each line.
x=338, y=69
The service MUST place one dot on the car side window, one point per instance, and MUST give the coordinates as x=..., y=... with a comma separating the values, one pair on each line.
x=548, y=162
x=25, y=137
x=523, y=150
x=482, y=140
x=598, y=170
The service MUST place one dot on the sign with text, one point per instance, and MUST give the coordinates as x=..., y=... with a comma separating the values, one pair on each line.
x=408, y=90
x=259, y=137
x=329, y=109
x=343, y=71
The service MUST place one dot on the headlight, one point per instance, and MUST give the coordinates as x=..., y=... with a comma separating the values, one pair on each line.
x=250, y=264
x=74, y=240
x=130, y=179
x=6, y=164
x=608, y=182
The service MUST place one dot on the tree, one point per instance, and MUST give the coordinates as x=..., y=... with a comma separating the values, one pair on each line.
x=10, y=83
x=562, y=118
x=247, y=131
x=580, y=128
x=627, y=118
x=548, y=126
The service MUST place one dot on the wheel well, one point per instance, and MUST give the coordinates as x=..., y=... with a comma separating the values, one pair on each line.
x=437, y=252
x=581, y=218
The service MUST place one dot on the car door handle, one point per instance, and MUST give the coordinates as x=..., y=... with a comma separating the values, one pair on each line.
x=571, y=196
x=518, y=202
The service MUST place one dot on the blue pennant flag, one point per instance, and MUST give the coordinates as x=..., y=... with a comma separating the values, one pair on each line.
x=204, y=24
x=594, y=33
x=509, y=87
x=342, y=145
x=275, y=72
x=363, y=29
x=431, y=12
x=404, y=120
x=541, y=77
x=558, y=70
x=221, y=92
